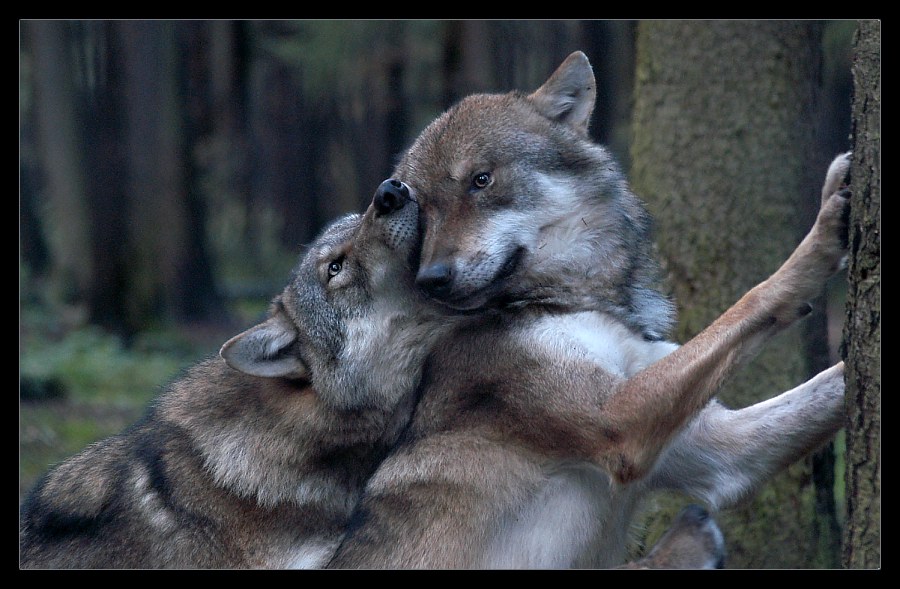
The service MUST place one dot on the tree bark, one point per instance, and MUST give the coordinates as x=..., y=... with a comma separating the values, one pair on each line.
x=862, y=329
x=722, y=151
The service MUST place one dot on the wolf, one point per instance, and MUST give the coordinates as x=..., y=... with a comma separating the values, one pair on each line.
x=541, y=427
x=257, y=457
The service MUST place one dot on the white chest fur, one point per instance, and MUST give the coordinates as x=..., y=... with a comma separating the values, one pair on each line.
x=579, y=517
x=595, y=337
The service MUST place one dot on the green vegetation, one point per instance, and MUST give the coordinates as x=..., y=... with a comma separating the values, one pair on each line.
x=93, y=385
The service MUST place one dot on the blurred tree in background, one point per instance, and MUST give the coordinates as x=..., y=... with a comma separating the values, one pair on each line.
x=171, y=171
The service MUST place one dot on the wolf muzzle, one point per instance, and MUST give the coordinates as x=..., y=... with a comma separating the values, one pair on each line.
x=390, y=196
x=436, y=280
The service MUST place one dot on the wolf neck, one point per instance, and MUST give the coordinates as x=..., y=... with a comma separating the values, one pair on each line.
x=594, y=255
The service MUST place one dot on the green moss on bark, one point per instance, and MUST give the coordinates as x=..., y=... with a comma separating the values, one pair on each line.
x=722, y=153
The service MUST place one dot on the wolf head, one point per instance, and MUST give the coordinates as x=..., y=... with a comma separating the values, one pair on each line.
x=350, y=302
x=519, y=206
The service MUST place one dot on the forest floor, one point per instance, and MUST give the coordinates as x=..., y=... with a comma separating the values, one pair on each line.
x=80, y=384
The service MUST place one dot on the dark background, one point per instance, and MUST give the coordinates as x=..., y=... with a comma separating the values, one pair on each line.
x=170, y=167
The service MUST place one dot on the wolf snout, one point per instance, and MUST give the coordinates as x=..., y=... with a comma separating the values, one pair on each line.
x=435, y=279
x=391, y=196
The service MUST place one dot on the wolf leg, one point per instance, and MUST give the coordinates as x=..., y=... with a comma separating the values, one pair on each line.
x=724, y=455
x=654, y=404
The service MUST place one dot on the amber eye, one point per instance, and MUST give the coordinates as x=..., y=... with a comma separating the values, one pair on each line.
x=481, y=180
x=334, y=268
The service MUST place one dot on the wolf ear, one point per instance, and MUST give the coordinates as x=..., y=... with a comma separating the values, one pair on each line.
x=568, y=95
x=264, y=350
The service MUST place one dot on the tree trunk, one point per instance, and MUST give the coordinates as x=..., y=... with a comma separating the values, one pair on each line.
x=862, y=330
x=65, y=217
x=106, y=184
x=194, y=296
x=465, y=66
x=722, y=151
x=290, y=155
x=169, y=275
x=156, y=204
x=33, y=254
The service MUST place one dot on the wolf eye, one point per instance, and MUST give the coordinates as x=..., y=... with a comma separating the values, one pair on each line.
x=481, y=180
x=334, y=268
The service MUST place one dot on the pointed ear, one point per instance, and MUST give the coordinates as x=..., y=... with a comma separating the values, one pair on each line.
x=264, y=350
x=568, y=95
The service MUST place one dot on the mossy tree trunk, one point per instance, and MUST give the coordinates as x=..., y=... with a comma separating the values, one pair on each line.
x=723, y=152
x=862, y=329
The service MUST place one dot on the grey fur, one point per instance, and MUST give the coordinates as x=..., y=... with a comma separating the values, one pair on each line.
x=257, y=464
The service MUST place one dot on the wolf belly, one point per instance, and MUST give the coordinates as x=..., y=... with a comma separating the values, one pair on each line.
x=578, y=516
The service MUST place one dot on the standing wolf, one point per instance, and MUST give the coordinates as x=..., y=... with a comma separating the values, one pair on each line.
x=541, y=427
x=257, y=458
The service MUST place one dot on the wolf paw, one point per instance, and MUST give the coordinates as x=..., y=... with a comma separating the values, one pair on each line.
x=833, y=220
x=825, y=393
x=838, y=175
x=693, y=541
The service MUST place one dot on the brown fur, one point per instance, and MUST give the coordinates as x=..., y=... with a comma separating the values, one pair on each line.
x=542, y=426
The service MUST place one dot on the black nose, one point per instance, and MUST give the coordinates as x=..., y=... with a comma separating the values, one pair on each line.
x=435, y=279
x=390, y=196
